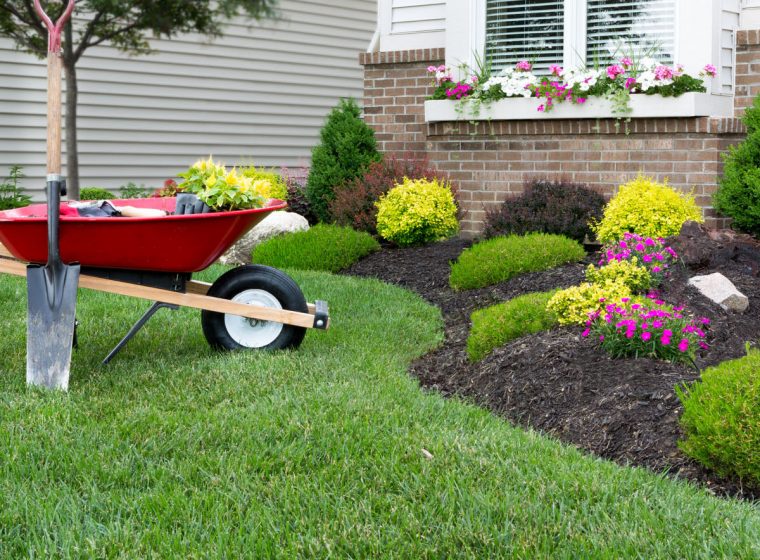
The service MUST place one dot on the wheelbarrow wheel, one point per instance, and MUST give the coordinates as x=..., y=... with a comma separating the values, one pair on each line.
x=256, y=285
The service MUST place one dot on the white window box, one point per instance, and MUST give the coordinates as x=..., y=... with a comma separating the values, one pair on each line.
x=644, y=106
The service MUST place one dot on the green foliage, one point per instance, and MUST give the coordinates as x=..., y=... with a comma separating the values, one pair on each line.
x=417, y=211
x=324, y=247
x=628, y=273
x=647, y=208
x=721, y=418
x=347, y=147
x=11, y=195
x=96, y=193
x=221, y=189
x=738, y=195
x=130, y=190
x=499, y=259
x=498, y=324
x=574, y=305
x=268, y=184
x=175, y=451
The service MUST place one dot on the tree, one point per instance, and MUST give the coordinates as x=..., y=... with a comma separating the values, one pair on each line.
x=124, y=24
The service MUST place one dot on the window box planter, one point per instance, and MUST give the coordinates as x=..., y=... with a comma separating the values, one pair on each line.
x=644, y=106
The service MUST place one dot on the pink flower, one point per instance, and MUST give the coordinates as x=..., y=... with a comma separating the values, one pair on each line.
x=647, y=258
x=646, y=335
x=629, y=83
x=623, y=245
x=432, y=69
x=524, y=65
x=627, y=62
x=614, y=71
x=601, y=337
x=556, y=69
x=639, y=246
x=683, y=346
x=649, y=242
x=585, y=333
x=656, y=269
x=663, y=73
x=581, y=100
x=703, y=346
x=540, y=108
x=665, y=340
x=710, y=70
x=704, y=320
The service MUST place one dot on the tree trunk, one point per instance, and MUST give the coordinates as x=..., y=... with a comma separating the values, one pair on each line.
x=70, y=123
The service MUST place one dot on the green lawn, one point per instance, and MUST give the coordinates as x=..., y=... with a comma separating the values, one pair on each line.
x=174, y=451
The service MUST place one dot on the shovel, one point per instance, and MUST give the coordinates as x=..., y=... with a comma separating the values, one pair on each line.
x=52, y=289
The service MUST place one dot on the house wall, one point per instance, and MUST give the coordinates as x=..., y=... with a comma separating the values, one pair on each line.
x=747, y=69
x=260, y=94
x=493, y=160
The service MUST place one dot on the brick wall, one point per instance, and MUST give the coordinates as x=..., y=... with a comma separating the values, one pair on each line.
x=747, y=69
x=492, y=160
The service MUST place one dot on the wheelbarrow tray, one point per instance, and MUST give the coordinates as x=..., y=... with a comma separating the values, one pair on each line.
x=184, y=243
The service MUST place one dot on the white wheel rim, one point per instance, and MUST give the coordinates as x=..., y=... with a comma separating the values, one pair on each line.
x=253, y=333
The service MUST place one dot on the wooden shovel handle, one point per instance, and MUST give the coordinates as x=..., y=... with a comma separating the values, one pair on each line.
x=55, y=63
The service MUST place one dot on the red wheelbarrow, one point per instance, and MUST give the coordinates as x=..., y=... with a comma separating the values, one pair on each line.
x=153, y=258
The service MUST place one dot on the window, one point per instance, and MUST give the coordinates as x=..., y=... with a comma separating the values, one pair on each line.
x=571, y=31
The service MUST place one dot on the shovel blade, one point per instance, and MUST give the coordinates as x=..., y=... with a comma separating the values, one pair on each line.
x=52, y=300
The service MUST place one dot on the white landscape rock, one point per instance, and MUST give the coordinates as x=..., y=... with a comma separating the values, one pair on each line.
x=276, y=223
x=722, y=291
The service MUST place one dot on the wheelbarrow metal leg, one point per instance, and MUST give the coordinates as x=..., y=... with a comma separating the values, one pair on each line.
x=137, y=326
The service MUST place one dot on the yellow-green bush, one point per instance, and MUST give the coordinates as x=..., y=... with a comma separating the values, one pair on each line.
x=647, y=208
x=268, y=184
x=629, y=273
x=417, y=211
x=572, y=306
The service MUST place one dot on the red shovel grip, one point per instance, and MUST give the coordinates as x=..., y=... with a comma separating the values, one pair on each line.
x=54, y=29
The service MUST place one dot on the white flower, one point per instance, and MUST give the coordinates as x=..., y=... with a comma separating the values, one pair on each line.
x=646, y=80
x=648, y=63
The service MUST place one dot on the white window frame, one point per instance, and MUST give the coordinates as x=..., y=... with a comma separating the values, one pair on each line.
x=695, y=20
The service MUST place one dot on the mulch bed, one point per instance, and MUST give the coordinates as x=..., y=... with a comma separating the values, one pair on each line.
x=561, y=384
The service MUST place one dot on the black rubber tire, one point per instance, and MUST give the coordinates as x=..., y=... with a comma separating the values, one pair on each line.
x=257, y=277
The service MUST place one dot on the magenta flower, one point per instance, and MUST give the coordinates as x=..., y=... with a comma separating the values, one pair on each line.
x=649, y=242
x=710, y=70
x=581, y=100
x=623, y=245
x=601, y=337
x=704, y=320
x=629, y=83
x=647, y=258
x=614, y=71
x=524, y=65
x=646, y=335
x=683, y=346
x=556, y=69
x=541, y=108
x=585, y=333
x=656, y=269
x=663, y=73
x=639, y=246
x=665, y=340
x=627, y=62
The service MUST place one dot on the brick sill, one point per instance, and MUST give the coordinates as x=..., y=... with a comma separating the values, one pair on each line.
x=644, y=106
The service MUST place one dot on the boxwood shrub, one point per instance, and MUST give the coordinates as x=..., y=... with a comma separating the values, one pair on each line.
x=499, y=259
x=721, y=418
x=324, y=247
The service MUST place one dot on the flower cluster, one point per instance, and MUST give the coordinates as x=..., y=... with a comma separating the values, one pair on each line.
x=650, y=253
x=647, y=330
x=441, y=74
x=513, y=82
x=219, y=188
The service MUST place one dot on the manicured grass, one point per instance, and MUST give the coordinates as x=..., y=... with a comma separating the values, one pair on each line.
x=499, y=259
x=175, y=451
x=323, y=247
x=721, y=418
x=498, y=324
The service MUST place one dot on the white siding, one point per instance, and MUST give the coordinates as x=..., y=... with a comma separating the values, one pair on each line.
x=729, y=23
x=260, y=95
x=411, y=24
x=750, y=15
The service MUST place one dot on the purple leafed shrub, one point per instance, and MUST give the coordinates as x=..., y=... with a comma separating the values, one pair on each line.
x=558, y=207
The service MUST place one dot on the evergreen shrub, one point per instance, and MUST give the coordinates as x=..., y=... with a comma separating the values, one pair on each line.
x=95, y=193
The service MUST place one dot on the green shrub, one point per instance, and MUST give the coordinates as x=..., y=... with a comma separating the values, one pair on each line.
x=417, y=211
x=324, y=247
x=628, y=273
x=11, y=195
x=499, y=259
x=95, y=193
x=268, y=184
x=738, y=195
x=721, y=418
x=347, y=147
x=647, y=208
x=572, y=306
x=497, y=325
x=131, y=190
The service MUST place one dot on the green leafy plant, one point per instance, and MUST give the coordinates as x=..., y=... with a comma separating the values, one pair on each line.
x=499, y=259
x=574, y=305
x=131, y=190
x=230, y=192
x=417, y=211
x=95, y=193
x=721, y=418
x=498, y=324
x=347, y=147
x=268, y=184
x=626, y=272
x=324, y=247
x=738, y=195
x=11, y=195
x=647, y=208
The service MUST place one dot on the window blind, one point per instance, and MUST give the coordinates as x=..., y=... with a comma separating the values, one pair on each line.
x=524, y=30
x=621, y=27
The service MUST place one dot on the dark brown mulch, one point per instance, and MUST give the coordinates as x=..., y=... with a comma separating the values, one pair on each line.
x=625, y=409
